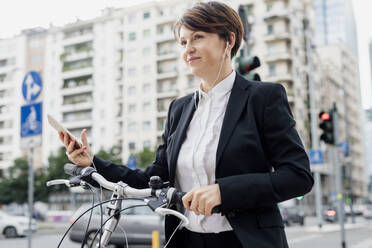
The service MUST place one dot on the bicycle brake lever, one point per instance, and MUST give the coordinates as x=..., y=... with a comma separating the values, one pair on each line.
x=165, y=211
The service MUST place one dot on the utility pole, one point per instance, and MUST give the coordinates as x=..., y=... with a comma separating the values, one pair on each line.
x=313, y=117
x=339, y=190
x=30, y=195
x=348, y=165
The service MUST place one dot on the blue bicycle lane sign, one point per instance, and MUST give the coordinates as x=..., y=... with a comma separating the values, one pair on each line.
x=31, y=86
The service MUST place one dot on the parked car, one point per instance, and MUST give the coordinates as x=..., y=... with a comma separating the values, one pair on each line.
x=15, y=226
x=367, y=213
x=138, y=224
x=292, y=215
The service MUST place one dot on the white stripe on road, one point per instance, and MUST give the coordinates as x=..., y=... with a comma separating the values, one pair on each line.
x=364, y=244
x=305, y=238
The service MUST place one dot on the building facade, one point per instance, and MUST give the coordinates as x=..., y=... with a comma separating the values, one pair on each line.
x=335, y=24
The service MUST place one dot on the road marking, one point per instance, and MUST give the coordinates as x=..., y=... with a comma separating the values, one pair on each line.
x=305, y=238
x=364, y=244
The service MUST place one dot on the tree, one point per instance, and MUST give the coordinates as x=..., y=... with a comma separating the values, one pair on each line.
x=145, y=157
x=13, y=188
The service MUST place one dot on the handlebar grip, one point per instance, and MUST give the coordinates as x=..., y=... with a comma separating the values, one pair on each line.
x=72, y=169
x=177, y=197
x=216, y=209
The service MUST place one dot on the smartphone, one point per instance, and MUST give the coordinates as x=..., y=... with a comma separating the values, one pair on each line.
x=57, y=126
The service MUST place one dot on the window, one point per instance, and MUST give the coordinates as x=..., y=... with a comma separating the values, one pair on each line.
x=270, y=49
x=132, y=127
x=146, y=69
x=146, y=125
x=271, y=70
x=131, y=108
x=146, y=51
x=146, y=106
x=132, y=36
x=146, y=15
x=270, y=29
x=1, y=140
x=131, y=72
x=2, y=124
x=1, y=156
x=146, y=88
x=132, y=18
x=132, y=146
x=269, y=7
x=132, y=90
x=147, y=144
x=2, y=77
x=190, y=82
x=146, y=33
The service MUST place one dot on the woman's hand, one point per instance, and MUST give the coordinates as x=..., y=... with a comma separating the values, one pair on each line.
x=80, y=156
x=202, y=200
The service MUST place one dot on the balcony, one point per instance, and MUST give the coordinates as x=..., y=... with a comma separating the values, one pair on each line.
x=167, y=94
x=278, y=56
x=77, y=106
x=162, y=114
x=277, y=14
x=78, y=55
x=78, y=124
x=167, y=56
x=77, y=90
x=279, y=77
x=166, y=19
x=77, y=72
x=78, y=39
x=278, y=36
x=166, y=74
x=164, y=37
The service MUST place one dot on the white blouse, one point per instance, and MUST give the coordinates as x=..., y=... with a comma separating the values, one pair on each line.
x=196, y=163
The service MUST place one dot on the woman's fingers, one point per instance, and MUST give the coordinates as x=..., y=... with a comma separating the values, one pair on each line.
x=76, y=153
x=202, y=200
x=61, y=136
x=83, y=137
x=70, y=147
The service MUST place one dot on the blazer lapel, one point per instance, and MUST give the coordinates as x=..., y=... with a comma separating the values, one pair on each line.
x=179, y=137
x=235, y=106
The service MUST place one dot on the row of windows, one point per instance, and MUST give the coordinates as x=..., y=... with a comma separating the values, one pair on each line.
x=133, y=126
x=145, y=107
x=132, y=145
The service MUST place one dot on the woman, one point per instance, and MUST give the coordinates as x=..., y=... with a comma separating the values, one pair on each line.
x=231, y=144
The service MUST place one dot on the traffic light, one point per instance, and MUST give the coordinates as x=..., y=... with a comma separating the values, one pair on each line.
x=326, y=124
x=245, y=65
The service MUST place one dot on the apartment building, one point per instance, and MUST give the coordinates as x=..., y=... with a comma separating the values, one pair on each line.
x=341, y=85
x=12, y=71
x=81, y=81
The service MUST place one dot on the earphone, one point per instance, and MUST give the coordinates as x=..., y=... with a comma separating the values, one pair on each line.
x=227, y=46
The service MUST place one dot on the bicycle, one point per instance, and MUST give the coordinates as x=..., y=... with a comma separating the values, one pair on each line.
x=159, y=197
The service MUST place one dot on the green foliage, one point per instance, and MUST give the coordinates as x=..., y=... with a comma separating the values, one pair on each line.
x=110, y=155
x=14, y=186
x=145, y=157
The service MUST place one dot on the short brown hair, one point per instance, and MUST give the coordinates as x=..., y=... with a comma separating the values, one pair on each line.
x=212, y=17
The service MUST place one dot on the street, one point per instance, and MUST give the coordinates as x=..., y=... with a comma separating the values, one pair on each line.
x=358, y=235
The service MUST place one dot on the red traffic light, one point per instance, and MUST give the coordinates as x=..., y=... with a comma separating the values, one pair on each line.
x=324, y=116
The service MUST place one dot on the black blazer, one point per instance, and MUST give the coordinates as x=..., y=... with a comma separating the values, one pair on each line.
x=260, y=161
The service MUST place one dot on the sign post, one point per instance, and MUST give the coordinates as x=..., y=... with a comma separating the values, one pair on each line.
x=31, y=130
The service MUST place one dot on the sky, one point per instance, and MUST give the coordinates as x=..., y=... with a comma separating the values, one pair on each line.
x=16, y=15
